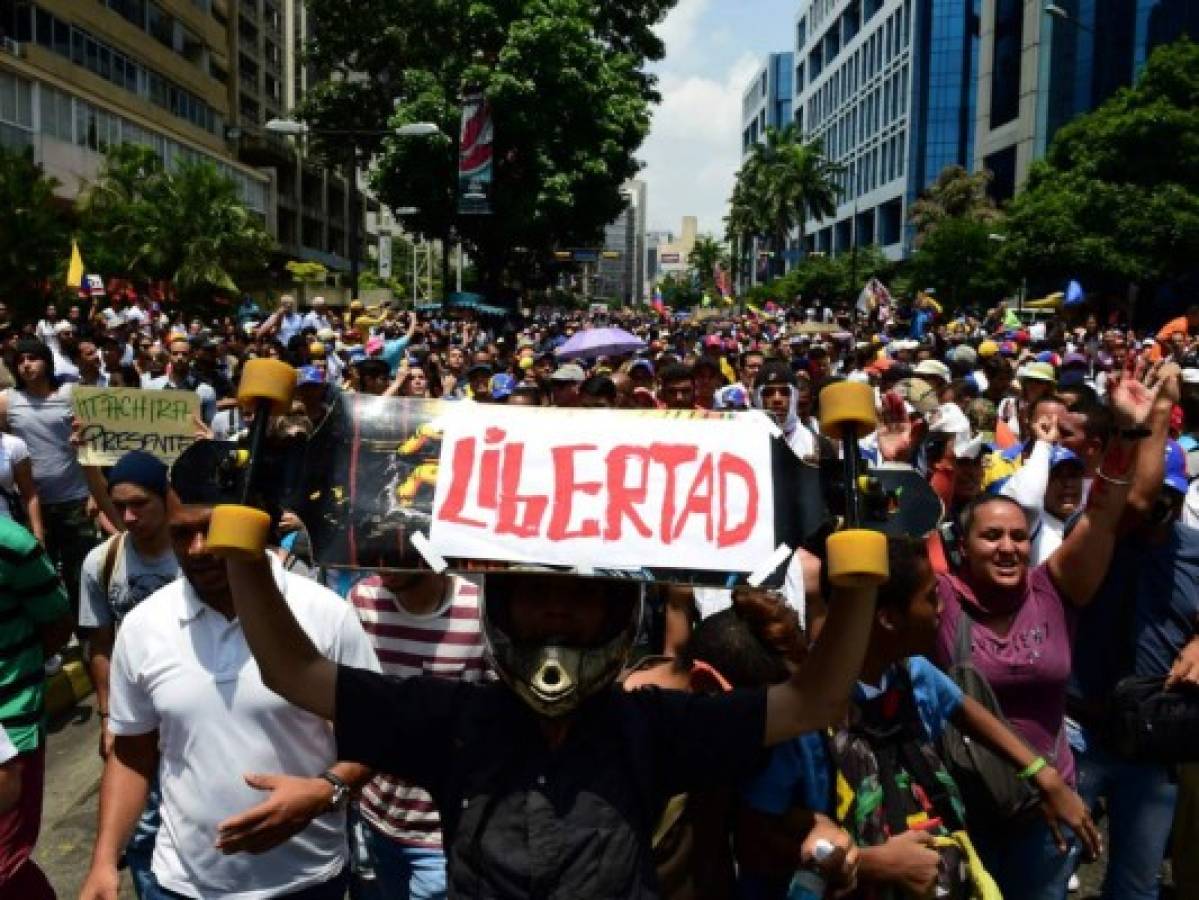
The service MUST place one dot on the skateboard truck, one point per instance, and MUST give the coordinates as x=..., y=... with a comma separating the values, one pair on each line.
x=243, y=529
x=857, y=557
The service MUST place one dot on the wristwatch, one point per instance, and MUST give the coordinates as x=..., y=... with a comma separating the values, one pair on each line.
x=341, y=791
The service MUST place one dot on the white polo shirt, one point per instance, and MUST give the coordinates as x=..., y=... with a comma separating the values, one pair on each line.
x=181, y=667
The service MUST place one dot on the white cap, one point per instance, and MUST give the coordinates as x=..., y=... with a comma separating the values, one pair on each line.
x=933, y=368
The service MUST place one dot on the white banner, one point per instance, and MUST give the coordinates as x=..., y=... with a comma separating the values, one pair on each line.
x=604, y=490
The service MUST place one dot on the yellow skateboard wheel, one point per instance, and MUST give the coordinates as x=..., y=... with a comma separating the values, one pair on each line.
x=847, y=404
x=238, y=531
x=857, y=558
x=267, y=379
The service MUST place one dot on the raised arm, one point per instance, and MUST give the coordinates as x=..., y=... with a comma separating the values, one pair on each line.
x=289, y=662
x=817, y=695
x=1028, y=484
x=1073, y=566
x=1151, y=460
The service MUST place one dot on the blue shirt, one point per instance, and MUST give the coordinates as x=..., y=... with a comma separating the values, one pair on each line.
x=799, y=773
x=1164, y=578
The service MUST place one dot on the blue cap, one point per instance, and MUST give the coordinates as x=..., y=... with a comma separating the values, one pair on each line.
x=311, y=375
x=140, y=468
x=502, y=386
x=1063, y=455
x=1072, y=378
x=1176, y=467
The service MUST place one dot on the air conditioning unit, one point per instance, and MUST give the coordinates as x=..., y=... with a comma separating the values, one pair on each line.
x=8, y=45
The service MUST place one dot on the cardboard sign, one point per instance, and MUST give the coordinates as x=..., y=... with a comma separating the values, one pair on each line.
x=598, y=490
x=116, y=420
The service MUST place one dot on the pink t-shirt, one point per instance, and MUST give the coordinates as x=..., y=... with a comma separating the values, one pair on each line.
x=1029, y=668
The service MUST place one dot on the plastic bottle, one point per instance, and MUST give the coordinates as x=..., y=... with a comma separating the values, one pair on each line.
x=809, y=884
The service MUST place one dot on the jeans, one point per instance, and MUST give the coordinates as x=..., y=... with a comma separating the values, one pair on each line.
x=401, y=872
x=70, y=536
x=333, y=889
x=1140, y=803
x=1025, y=861
x=139, y=852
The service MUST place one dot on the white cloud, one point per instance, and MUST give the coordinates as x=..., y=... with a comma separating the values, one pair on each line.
x=694, y=147
x=681, y=27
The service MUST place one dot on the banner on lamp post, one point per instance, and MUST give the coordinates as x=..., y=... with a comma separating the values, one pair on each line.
x=385, y=256
x=475, y=157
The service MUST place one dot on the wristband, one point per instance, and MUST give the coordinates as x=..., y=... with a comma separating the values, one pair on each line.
x=1033, y=769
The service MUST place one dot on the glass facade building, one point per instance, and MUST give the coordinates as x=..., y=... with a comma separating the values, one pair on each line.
x=767, y=100
x=889, y=87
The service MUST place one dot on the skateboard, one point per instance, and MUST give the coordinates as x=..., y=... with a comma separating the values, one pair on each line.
x=373, y=480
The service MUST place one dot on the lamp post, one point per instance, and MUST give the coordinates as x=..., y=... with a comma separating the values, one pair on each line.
x=295, y=128
x=1063, y=15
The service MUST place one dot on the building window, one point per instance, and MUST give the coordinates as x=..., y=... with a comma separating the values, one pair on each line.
x=1005, y=75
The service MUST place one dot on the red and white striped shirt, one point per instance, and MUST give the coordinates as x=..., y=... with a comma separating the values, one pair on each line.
x=447, y=643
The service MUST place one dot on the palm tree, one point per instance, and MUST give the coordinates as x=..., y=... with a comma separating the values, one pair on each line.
x=704, y=257
x=785, y=181
x=956, y=194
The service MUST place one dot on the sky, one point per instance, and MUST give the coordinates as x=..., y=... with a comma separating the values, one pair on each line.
x=713, y=48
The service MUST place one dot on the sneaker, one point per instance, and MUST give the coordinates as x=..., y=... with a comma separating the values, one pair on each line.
x=53, y=665
x=1074, y=885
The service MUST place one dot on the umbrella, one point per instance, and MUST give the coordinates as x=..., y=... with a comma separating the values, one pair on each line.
x=816, y=328
x=600, y=342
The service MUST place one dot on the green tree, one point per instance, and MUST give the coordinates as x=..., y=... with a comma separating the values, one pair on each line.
x=955, y=195
x=960, y=259
x=679, y=293
x=35, y=239
x=187, y=225
x=785, y=181
x=831, y=279
x=569, y=94
x=704, y=257
x=1116, y=200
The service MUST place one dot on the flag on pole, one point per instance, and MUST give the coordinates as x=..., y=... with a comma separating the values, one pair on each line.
x=75, y=267
x=657, y=303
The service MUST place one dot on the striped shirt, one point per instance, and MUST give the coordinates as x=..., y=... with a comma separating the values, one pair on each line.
x=31, y=596
x=447, y=643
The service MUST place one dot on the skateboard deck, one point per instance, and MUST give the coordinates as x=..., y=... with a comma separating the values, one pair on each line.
x=705, y=499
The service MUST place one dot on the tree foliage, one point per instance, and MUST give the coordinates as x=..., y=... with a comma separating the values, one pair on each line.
x=961, y=260
x=34, y=231
x=186, y=225
x=827, y=278
x=1116, y=199
x=679, y=293
x=569, y=96
x=955, y=195
x=784, y=182
x=704, y=257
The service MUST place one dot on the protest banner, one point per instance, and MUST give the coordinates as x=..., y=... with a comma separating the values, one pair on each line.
x=681, y=497
x=114, y=421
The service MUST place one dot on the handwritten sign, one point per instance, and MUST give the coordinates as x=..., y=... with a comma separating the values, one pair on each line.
x=601, y=490
x=116, y=420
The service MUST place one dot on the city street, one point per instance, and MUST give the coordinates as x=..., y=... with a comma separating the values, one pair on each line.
x=72, y=794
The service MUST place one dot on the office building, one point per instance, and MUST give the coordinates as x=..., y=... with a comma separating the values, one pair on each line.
x=767, y=100
x=653, y=241
x=189, y=78
x=620, y=272
x=673, y=254
x=79, y=77
x=888, y=86
x=1040, y=65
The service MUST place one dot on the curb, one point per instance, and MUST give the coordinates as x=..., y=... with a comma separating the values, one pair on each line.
x=67, y=687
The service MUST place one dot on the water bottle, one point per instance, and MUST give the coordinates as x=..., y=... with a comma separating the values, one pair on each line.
x=809, y=884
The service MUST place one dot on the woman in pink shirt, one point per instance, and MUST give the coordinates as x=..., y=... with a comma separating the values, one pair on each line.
x=1022, y=627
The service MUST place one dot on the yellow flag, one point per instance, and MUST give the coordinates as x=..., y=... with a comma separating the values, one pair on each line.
x=75, y=269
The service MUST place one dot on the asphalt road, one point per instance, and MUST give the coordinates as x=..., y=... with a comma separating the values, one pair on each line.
x=72, y=793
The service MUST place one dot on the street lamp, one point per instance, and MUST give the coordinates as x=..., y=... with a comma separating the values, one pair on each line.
x=1058, y=12
x=295, y=128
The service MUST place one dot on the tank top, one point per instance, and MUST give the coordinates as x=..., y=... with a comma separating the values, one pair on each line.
x=45, y=427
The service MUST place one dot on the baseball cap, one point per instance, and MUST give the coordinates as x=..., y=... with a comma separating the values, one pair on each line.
x=310, y=375
x=933, y=368
x=374, y=346
x=1037, y=371
x=1075, y=359
x=479, y=368
x=1071, y=378
x=712, y=340
x=1176, y=467
x=569, y=372
x=642, y=364
x=1063, y=455
x=502, y=386
x=988, y=348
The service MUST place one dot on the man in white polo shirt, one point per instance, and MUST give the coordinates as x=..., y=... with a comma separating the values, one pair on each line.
x=253, y=798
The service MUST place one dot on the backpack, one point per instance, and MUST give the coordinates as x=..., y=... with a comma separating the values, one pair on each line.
x=990, y=788
x=890, y=780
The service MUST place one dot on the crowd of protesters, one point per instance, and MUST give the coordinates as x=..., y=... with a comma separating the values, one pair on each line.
x=1065, y=453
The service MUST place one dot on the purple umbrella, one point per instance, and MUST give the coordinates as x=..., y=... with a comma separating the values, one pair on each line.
x=600, y=342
